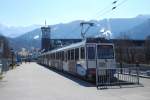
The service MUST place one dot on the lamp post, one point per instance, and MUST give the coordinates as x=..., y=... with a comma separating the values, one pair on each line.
x=12, y=58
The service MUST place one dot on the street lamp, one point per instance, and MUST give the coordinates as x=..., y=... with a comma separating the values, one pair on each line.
x=12, y=57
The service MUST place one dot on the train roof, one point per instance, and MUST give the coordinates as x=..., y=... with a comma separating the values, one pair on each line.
x=68, y=47
x=79, y=44
x=98, y=40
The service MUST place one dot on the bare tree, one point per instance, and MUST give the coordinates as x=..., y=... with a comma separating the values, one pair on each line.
x=125, y=49
x=147, y=49
x=6, y=48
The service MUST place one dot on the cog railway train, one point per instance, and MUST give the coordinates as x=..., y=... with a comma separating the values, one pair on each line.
x=82, y=58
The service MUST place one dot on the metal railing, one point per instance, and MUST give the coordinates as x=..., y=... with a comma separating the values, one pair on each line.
x=5, y=64
x=144, y=69
x=117, y=76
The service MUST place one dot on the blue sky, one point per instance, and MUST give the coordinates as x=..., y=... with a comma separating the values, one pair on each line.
x=28, y=12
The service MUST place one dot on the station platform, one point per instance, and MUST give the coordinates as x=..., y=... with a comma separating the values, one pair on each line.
x=31, y=81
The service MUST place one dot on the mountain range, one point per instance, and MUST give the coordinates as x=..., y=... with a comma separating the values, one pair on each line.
x=14, y=31
x=135, y=28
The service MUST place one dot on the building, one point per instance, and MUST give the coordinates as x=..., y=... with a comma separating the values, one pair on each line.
x=4, y=48
x=5, y=53
x=45, y=41
x=1, y=48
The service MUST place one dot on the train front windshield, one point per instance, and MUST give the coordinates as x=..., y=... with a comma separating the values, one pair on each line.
x=105, y=52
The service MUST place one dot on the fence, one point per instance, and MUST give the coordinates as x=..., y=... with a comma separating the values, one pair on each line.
x=144, y=69
x=5, y=64
x=0, y=69
x=117, y=76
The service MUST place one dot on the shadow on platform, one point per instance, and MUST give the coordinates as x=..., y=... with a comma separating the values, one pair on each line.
x=85, y=83
x=120, y=87
x=74, y=78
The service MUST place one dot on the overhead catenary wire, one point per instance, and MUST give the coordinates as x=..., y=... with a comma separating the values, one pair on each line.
x=102, y=11
x=114, y=5
x=111, y=7
x=105, y=9
x=121, y=3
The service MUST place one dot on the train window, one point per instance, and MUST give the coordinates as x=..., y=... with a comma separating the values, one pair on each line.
x=105, y=52
x=82, y=54
x=56, y=55
x=77, y=54
x=52, y=56
x=68, y=54
x=48, y=56
x=72, y=54
x=59, y=55
x=91, y=52
x=65, y=56
x=62, y=55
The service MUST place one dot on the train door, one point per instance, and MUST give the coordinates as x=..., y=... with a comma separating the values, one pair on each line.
x=105, y=56
x=91, y=60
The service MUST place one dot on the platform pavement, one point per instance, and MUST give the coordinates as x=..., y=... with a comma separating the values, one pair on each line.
x=34, y=82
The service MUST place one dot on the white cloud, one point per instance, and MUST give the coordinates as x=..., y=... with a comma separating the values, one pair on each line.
x=36, y=37
x=102, y=30
x=107, y=34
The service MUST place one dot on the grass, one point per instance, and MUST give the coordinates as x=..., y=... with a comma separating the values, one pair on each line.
x=1, y=76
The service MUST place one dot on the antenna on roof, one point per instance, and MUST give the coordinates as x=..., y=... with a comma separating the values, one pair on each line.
x=45, y=22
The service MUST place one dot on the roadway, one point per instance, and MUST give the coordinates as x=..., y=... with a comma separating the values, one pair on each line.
x=35, y=82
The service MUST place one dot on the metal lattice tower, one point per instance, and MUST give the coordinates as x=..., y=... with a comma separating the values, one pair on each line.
x=46, y=38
